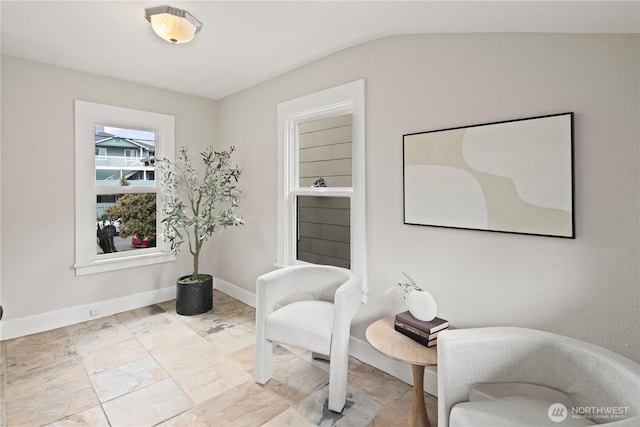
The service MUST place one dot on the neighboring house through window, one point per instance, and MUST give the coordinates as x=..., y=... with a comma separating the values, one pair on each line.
x=321, y=199
x=128, y=152
x=117, y=225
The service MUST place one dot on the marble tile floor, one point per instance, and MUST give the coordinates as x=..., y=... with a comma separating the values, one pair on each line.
x=152, y=367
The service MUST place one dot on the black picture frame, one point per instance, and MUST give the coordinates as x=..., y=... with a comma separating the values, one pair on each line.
x=513, y=176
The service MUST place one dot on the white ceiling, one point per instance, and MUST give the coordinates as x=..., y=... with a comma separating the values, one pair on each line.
x=244, y=43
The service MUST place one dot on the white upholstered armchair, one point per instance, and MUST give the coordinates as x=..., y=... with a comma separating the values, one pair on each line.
x=502, y=376
x=310, y=307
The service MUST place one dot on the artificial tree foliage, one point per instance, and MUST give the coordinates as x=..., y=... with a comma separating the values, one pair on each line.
x=198, y=203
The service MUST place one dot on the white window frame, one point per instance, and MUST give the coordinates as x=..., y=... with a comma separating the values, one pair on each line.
x=345, y=99
x=87, y=116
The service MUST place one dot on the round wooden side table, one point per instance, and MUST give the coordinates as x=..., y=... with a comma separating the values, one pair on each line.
x=384, y=338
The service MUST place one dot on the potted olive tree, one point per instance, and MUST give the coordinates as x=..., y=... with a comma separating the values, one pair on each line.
x=195, y=205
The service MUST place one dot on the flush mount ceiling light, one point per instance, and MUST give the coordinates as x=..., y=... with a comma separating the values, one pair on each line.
x=172, y=24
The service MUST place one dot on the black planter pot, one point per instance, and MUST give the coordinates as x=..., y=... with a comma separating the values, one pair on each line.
x=194, y=298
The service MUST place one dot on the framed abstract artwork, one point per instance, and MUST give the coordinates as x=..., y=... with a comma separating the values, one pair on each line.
x=513, y=176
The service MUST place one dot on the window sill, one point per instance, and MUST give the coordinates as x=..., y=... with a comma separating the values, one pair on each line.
x=335, y=191
x=101, y=266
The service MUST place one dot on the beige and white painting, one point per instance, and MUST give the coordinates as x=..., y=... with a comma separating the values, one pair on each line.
x=513, y=176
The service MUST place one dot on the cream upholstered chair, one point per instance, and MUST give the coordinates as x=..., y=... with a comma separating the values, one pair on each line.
x=504, y=376
x=310, y=307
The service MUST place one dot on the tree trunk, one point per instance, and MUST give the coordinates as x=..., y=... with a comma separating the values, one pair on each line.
x=196, y=258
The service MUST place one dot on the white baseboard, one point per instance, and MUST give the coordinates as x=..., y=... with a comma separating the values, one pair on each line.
x=235, y=292
x=14, y=328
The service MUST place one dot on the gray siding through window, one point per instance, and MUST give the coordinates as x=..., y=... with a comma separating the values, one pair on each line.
x=324, y=232
x=325, y=151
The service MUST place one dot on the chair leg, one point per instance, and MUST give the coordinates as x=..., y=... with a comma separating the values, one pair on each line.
x=264, y=352
x=338, y=370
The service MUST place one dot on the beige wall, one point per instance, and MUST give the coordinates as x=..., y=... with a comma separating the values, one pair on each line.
x=586, y=288
x=38, y=184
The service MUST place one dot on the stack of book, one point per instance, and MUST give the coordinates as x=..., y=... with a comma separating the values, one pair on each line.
x=426, y=333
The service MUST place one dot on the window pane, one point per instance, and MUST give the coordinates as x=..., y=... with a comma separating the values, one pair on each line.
x=124, y=156
x=324, y=230
x=325, y=150
x=125, y=222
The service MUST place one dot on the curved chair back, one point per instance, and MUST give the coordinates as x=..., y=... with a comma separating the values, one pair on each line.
x=591, y=376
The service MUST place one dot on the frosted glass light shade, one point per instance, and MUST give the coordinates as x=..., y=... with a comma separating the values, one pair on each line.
x=172, y=24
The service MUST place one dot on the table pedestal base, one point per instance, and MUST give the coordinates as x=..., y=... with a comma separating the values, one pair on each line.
x=382, y=335
x=419, y=410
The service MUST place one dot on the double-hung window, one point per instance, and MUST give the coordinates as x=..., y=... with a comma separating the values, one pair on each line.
x=117, y=196
x=321, y=198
